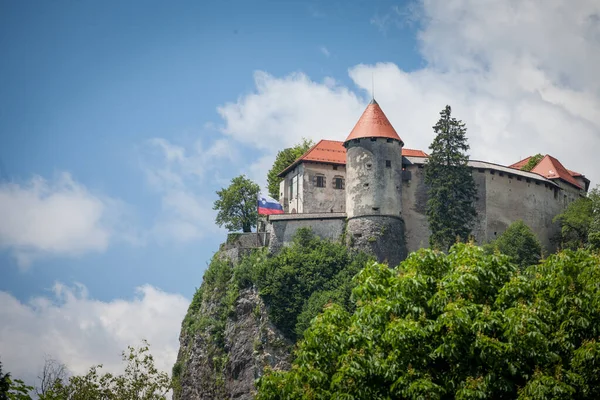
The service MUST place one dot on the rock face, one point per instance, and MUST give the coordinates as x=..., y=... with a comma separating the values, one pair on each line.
x=222, y=359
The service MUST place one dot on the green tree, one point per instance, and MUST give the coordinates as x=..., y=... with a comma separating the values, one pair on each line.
x=298, y=281
x=533, y=161
x=575, y=222
x=450, y=207
x=140, y=381
x=519, y=243
x=4, y=384
x=19, y=390
x=466, y=325
x=237, y=205
x=594, y=231
x=283, y=159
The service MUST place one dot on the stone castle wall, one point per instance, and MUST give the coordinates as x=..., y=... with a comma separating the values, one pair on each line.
x=504, y=195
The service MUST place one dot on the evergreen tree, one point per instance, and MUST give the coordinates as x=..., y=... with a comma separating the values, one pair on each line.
x=283, y=160
x=450, y=208
x=4, y=384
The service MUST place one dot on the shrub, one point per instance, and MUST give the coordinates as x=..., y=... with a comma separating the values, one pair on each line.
x=466, y=325
x=519, y=243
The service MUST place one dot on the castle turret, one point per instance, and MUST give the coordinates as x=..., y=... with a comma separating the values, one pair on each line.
x=374, y=186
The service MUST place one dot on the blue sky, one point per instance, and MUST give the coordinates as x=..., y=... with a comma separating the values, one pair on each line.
x=120, y=120
x=86, y=84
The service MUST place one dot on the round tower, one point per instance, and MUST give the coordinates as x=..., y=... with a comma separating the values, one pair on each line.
x=374, y=187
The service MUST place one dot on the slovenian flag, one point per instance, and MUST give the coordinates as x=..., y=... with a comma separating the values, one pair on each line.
x=268, y=205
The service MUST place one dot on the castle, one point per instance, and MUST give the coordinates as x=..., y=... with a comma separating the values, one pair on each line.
x=370, y=191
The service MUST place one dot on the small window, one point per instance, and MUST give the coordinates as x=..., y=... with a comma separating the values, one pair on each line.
x=510, y=176
x=481, y=170
x=527, y=180
x=335, y=167
x=390, y=140
x=501, y=173
x=319, y=180
x=388, y=163
x=492, y=172
x=519, y=178
x=338, y=182
x=369, y=165
x=373, y=139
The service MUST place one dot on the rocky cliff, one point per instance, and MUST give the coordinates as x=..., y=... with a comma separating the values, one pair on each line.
x=220, y=358
x=252, y=306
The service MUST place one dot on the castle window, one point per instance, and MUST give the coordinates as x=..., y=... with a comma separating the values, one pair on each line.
x=527, y=180
x=335, y=167
x=390, y=140
x=481, y=169
x=388, y=163
x=373, y=139
x=501, y=173
x=319, y=180
x=519, y=178
x=510, y=176
x=492, y=172
x=338, y=182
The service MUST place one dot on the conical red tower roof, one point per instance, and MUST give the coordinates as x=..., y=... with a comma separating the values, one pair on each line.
x=373, y=124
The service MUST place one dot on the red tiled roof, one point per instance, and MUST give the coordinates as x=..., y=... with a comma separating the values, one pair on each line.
x=330, y=151
x=573, y=173
x=373, y=123
x=551, y=168
x=413, y=153
x=334, y=152
x=520, y=164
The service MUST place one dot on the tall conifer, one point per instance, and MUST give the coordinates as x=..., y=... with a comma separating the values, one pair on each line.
x=450, y=207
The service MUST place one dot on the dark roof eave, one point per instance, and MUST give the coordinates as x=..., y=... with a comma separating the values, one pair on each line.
x=283, y=173
x=370, y=137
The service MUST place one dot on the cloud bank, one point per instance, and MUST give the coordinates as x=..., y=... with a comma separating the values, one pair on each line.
x=56, y=217
x=521, y=75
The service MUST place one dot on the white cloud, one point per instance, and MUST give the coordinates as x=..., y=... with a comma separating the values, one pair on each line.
x=521, y=74
x=80, y=331
x=283, y=110
x=324, y=51
x=179, y=176
x=58, y=217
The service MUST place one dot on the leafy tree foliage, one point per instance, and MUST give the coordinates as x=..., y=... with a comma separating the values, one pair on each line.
x=519, y=243
x=580, y=222
x=298, y=281
x=283, y=159
x=18, y=390
x=575, y=223
x=141, y=381
x=533, y=161
x=450, y=208
x=237, y=205
x=4, y=384
x=594, y=231
x=466, y=325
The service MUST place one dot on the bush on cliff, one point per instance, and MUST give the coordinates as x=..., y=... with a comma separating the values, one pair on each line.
x=519, y=243
x=466, y=325
x=298, y=281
